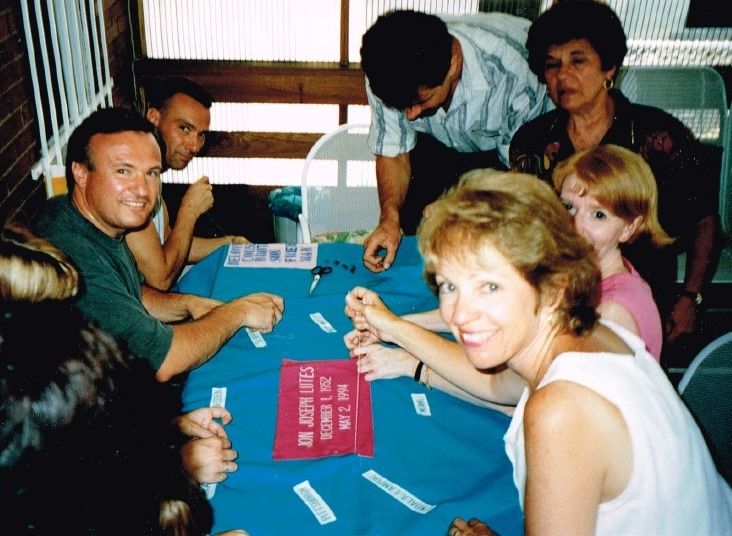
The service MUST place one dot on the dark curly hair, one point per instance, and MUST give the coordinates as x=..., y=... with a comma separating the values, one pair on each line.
x=564, y=21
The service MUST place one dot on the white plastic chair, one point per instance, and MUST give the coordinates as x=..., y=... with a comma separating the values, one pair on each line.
x=339, y=184
x=706, y=387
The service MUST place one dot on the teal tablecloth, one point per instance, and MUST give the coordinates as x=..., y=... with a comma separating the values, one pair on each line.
x=453, y=459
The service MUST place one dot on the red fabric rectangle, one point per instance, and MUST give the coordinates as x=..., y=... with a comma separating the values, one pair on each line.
x=323, y=409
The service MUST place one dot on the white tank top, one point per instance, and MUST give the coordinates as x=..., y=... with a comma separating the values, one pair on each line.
x=157, y=219
x=674, y=487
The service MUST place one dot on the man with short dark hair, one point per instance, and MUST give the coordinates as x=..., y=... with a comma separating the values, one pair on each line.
x=446, y=96
x=180, y=111
x=113, y=164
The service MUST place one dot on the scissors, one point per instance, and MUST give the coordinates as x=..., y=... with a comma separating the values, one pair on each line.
x=317, y=272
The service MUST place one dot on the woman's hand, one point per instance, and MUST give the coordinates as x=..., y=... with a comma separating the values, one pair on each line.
x=369, y=313
x=377, y=362
x=355, y=338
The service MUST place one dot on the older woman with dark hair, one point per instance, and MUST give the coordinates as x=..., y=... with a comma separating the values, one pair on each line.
x=599, y=425
x=577, y=48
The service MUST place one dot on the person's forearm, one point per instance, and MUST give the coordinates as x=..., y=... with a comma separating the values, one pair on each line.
x=447, y=359
x=196, y=342
x=436, y=381
x=701, y=256
x=392, y=176
x=430, y=320
x=178, y=244
x=159, y=263
x=165, y=306
x=201, y=247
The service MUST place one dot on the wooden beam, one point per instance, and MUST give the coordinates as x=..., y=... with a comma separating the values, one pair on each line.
x=259, y=144
x=265, y=82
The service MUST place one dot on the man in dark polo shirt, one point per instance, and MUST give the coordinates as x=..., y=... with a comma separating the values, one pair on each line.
x=113, y=165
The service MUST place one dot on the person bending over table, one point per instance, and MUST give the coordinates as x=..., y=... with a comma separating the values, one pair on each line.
x=598, y=424
x=446, y=96
x=106, y=406
x=180, y=110
x=579, y=63
x=113, y=170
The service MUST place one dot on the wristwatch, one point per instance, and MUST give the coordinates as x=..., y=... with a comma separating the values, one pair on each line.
x=695, y=296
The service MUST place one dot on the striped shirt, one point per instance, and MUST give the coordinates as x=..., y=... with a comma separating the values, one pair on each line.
x=496, y=94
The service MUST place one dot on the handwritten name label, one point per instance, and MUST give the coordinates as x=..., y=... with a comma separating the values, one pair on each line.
x=256, y=338
x=218, y=397
x=315, y=502
x=421, y=405
x=218, y=400
x=399, y=493
x=322, y=323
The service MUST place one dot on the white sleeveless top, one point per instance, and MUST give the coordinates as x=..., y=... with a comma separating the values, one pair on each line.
x=159, y=223
x=674, y=487
x=157, y=219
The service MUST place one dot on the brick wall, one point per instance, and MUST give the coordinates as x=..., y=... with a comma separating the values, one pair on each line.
x=20, y=195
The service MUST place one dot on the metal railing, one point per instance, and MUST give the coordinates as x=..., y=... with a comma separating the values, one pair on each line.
x=69, y=68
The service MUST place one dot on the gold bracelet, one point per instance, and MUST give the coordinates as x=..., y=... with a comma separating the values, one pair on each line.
x=426, y=381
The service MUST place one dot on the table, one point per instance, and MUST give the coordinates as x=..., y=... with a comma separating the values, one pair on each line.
x=453, y=459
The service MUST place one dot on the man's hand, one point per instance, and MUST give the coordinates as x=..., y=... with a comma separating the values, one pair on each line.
x=682, y=319
x=261, y=311
x=387, y=236
x=201, y=423
x=210, y=459
x=197, y=199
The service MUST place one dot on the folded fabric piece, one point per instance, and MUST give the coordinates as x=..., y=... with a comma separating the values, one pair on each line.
x=323, y=409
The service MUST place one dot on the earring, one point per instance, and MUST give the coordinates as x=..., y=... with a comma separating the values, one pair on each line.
x=609, y=83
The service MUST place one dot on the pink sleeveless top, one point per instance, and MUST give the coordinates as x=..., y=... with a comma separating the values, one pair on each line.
x=632, y=292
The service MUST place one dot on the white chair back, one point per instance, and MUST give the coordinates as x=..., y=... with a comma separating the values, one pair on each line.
x=339, y=184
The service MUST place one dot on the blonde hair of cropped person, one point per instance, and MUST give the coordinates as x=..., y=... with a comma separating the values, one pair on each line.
x=521, y=217
x=622, y=182
x=32, y=269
